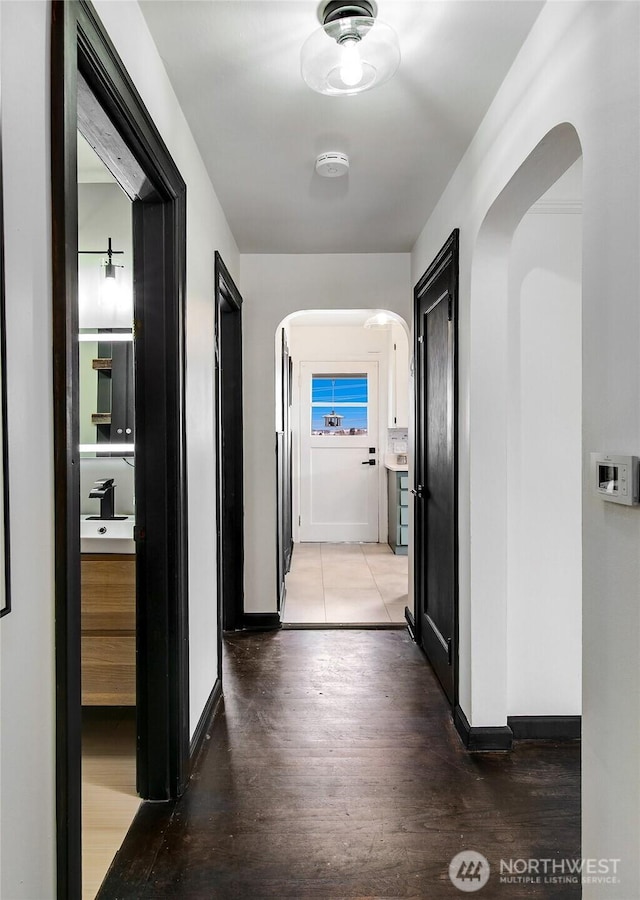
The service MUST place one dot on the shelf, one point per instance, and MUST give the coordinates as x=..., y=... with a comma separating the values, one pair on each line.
x=101, y=418
x=102, y=364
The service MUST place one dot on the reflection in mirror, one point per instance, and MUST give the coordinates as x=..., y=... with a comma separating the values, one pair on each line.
x=105, y=310
x=106, y=392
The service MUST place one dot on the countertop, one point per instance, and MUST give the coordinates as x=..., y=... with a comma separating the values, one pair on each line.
x=107, y=535
x=393, y=466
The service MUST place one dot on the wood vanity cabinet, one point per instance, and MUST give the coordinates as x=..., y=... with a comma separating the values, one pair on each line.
x=108, y=629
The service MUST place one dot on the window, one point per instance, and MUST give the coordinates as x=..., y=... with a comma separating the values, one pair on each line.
x=339, y=404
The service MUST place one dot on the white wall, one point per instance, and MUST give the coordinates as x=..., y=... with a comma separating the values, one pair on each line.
x=27, y=711
x=544, y=472
x=273, y=287
x=27, y=807
x=578, y=65
x=342, y=344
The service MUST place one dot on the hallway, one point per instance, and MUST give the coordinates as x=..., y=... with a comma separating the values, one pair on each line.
x=334, y=771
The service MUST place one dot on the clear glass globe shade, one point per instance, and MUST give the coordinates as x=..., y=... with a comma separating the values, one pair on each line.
x=323, y=63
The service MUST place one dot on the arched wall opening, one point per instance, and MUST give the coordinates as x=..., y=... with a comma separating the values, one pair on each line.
x=376, y=341
x=524, y=629
x=544, y=449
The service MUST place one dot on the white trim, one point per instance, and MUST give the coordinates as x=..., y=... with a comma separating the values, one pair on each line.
x=103, y=337
x=107, y=448
x=556, y=207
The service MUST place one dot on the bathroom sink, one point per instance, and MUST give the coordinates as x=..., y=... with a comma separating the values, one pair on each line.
x=107, y=535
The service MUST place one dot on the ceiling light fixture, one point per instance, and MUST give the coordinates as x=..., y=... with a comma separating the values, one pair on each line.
x=380, y=320
x=352, y=51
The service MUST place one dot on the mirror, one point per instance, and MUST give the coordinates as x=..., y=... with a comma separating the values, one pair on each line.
x=105, y=310
x=106, y=392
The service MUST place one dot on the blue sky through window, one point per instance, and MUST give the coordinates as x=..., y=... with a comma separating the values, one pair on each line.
x=346, y=395
x=346, y=389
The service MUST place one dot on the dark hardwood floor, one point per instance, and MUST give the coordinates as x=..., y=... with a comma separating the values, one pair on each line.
x=334, y=771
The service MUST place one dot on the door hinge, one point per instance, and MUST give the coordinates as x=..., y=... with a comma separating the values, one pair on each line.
x=299, y=520
x=421, y=339
x=449, y=651
x=450, y=313
x=139, y=533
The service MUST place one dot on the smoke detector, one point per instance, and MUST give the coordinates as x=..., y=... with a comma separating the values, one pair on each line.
x=332, y=164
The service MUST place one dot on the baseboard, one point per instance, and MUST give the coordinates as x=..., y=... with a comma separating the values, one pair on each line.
x=545, y=728
x=261, y=621
x=483, y=738
x=143, y=842
x=288, y=558
x=411, y=623
x=206, y=720
x=344, y=626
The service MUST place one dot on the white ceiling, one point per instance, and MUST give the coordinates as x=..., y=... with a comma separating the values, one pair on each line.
x=235, y=67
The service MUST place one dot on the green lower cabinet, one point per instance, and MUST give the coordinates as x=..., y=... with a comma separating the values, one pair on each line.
x=398, y=490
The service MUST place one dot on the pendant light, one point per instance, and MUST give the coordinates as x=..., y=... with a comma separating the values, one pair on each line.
x=333, y=419
x=110, y=286
x=352, y=52
x=109, y=290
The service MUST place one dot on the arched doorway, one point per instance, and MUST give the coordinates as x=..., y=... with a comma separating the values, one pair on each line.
x=342, y=386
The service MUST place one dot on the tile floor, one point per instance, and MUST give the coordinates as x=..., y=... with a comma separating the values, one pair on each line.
x=344, y=584
x=109, y=799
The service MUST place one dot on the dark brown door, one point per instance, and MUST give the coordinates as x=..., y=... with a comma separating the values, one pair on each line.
x=284, y=464
x=435, y=491
x=229, y=443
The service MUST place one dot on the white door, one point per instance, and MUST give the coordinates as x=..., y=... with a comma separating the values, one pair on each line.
x=339, y=452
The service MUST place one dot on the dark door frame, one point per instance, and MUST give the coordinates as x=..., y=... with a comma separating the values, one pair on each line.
x=447, y=256
x=284, y=517
x=229, y=453
x=86, y=68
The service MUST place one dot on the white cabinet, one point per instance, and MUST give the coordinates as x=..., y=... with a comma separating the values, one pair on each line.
x=398, y=378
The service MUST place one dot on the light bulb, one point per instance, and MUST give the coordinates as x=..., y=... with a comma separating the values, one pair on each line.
x=110, y=291
x=351, y=71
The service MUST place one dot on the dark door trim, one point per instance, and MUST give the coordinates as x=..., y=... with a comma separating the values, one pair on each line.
x=229, y=451
x=85, y=63
x=284, y=531
x=447, y=256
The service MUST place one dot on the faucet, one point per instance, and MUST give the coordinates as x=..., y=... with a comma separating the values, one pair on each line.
x=104, y=490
